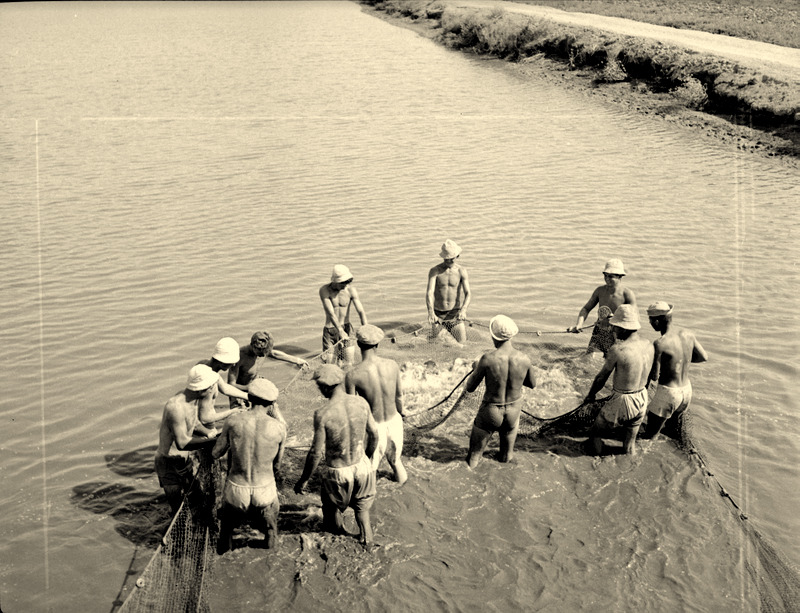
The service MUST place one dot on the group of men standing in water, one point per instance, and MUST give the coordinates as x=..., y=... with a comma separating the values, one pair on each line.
x=362, y=420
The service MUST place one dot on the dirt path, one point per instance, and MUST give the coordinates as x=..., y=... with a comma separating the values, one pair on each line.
x=772, y=60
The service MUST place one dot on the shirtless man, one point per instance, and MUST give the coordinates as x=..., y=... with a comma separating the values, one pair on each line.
x=252, y=358
x=226, y=354
x=630, y=359
x=378, y=380
x=336, y=297
x=348, y=479
x=609, y=297
x=674, y=351
x=448, y=294
x=254, y=442
x=180, y=432
x=505, y=371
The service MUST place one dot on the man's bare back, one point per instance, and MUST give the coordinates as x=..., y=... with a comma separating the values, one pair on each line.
x=504, y=371
x=378, y=381
x=254, y=440
x=342, y=424
x=674, y=351
x=631, y=360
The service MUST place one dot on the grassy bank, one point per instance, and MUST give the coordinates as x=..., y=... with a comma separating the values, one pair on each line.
x=690, y=80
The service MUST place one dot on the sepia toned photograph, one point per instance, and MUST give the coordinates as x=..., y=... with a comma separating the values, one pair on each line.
x=400, y=305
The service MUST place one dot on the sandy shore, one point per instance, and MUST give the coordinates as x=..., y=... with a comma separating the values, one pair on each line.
x=741, y=114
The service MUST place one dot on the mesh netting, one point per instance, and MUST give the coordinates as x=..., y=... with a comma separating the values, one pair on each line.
x=434, y=369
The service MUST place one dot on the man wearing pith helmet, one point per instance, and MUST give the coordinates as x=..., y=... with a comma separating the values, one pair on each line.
x=674, y=351
x=180, y=432
x=449, y=294
x=226, y=354
x=377, y=380
x=630, y=358
x=337, y=297
x=608, y=296
x=505, y=371
x=254, y=442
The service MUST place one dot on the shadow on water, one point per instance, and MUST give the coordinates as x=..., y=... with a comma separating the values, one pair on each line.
x=141, y=514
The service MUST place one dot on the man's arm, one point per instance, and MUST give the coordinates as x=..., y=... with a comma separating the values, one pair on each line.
x=357, y=304
x=530, y=378
x=655, y=369
x=276, y=462
x=314, y=454
x=629, y=296
x=372, y=433
x=587, y=308
x=231, y=390
x=208, y=414
x=462, y=314
x=184, y=440
x=698, y=353
x=398, y=395
x=429, y=295
x=222, y=444
x=350, y=383
x=476, y=377
x=280, y=355
x=602, y=376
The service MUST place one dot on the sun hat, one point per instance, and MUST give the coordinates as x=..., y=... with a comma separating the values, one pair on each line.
x=659, y=308
x=329, y=374
x=502, y=328
x=450, y=250
x=226, y=351
x=626, y=316
x=201, y=377
x=370, y=335
x=340, y=274
x=614, y=267
x=264, y=389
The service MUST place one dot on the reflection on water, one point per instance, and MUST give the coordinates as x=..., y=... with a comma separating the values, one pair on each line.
x=177, y=173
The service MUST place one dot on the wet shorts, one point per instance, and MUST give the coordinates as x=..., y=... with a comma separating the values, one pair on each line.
x=451, y=315
x=349, y=486
x=330, y=336
x=243, y=497
x=670, y=400
x=495, y=416
x=390, y=430
x=625, y=409
x=174, y=470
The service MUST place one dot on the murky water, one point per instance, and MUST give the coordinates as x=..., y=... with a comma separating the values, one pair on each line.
x=175, y=173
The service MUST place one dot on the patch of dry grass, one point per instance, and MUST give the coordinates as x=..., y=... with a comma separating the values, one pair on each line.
x=776, y=22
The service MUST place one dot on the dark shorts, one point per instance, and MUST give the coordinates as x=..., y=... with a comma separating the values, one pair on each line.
x=330, y=336
x=451, y=315
x=173, y=470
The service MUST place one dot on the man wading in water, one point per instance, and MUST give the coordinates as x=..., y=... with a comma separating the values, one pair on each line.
x=336, y=297
x=674, y=351
x=609, y=297
x=630, y=359
x=378, y=380
x=348, y=479
x=448, y=294
x=505, y=371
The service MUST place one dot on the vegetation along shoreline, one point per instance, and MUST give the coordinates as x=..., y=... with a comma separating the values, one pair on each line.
x=755, y=111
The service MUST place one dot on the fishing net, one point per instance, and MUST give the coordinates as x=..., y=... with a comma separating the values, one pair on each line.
x=435, y=362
